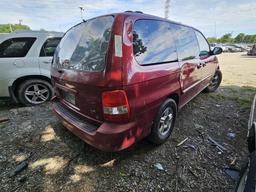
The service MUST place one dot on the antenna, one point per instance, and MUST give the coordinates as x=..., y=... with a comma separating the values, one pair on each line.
x=81, y=12
x=166, y=11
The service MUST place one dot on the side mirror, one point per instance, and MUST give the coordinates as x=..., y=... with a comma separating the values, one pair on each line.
x=217, y=51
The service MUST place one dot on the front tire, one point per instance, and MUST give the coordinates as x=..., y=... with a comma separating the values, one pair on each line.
x=215, y=82
x=164, y=122
x=34, y=92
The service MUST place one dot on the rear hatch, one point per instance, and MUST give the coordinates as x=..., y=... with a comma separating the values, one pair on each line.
x=79, y=66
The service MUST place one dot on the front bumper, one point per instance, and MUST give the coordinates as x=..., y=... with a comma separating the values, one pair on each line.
x=106, y=137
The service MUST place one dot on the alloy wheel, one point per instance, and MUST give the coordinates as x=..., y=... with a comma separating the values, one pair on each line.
x=37, y=93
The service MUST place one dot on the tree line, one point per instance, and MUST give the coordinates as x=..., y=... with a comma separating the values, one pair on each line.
x=228, y=38
x=7, y=28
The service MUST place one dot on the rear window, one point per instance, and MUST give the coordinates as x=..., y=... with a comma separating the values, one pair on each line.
x=153, y=42
x=16, y=47
x=84, y=46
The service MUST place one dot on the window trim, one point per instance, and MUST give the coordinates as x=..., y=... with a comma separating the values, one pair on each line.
x=157, y=63
x=43, y=46
x=34, y=39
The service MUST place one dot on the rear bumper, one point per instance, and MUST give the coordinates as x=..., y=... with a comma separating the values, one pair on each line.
x=106, y=137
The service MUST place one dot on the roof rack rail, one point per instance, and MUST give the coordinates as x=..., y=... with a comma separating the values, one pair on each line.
x=133, y=11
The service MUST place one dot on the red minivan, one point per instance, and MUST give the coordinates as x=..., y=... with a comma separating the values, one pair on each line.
x=122, y=77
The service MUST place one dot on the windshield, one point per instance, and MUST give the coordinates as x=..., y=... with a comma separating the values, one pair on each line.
x=84, y=46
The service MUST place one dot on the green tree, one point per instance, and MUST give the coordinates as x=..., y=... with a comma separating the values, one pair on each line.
x=227, y=38
x=239, y=38
x=212, y=39
x=248, y=38
x=7, y=28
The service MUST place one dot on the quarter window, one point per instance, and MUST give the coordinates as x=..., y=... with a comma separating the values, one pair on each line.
x=16, y=47
x=203, y=44
x=186, y=42
x=153, y=42
x=49, y=47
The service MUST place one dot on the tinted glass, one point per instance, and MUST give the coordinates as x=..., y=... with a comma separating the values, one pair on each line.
x=84, y=46
x=49, y=47
x=203, y=44
x=153, y=42
x=186, y=43
x=16, y=47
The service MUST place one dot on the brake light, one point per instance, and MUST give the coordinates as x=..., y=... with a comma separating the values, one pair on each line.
x=115, y=106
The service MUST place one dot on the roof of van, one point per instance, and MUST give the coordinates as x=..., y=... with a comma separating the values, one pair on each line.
x=25, y=33
x=135, y=13
x=141, y=14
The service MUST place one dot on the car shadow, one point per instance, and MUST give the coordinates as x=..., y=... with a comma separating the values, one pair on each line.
x=94, y=156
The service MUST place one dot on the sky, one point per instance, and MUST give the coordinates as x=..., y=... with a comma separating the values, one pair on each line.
x=229, y=16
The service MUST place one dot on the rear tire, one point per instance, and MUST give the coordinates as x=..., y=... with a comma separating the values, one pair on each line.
x=164, y=122
x=34, y=92
x=215, y=82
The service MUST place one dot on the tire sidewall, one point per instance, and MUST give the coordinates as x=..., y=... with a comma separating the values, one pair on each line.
x=212, y=89
x=155, y=136
x=25, y=84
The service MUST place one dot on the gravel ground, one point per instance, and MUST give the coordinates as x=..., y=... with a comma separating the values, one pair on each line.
x=59, y=161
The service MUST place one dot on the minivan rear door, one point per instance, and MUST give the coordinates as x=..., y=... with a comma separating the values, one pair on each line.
x=187, y=48
x=79, y=63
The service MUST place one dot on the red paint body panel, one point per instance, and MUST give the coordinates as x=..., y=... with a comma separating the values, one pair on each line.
x=147, y=87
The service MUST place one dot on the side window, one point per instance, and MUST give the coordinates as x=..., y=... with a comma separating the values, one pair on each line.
x=16, y=47
x=153, y=42
x=49, y=47
x=186, y=42
x=203, y=44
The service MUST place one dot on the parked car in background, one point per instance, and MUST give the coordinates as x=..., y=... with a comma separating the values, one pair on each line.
x=25, y=61
x=122, y=77
x=252, y=51
x=223, y=47
x=233, y=48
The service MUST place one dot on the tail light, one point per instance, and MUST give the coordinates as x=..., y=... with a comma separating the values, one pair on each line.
x=115, y=106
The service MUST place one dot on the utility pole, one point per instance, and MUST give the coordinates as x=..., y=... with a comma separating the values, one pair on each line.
x=81, y=12
x=167, y=7
x=215, y=29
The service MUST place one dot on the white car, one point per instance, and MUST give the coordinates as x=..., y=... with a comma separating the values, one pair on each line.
x=25, y=61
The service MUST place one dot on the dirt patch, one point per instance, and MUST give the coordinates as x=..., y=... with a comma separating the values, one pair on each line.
x=59, y=161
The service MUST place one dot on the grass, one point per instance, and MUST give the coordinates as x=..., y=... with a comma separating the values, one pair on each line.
x=241, y=95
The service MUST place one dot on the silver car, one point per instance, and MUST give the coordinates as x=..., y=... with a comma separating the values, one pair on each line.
x=25, y=59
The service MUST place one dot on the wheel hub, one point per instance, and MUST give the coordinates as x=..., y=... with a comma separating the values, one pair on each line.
x=165, y=121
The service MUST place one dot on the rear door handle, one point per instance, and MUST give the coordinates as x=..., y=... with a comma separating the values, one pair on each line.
x=199, y=65
x=60, y=71
x=46, y=62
